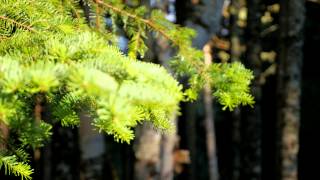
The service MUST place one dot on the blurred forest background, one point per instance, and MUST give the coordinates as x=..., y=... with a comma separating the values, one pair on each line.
x=276, y=139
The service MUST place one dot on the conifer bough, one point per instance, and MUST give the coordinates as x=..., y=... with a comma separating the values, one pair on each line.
x=50, y=56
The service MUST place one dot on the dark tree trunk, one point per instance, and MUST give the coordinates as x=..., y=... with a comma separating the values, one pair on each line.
x=236, y=53
x=65, y=154
x=191, y=136
x=236, y=143
x=251, y=122
x=292, y=17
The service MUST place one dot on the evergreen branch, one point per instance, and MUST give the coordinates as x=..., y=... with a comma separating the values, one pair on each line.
x=136, y=45
x=200, y=68
x=73, y=9
x=148, y=22
x=19, y=24
x=75, y=69
x=11, y=165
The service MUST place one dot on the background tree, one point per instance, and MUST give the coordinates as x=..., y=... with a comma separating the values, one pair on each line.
x=289, y=86
x=251, y=118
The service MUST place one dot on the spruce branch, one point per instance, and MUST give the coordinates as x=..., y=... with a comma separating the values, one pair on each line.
x=148, y=22
x=12, y=166
x=18, y=24
x=73, y=68
x=198, y=65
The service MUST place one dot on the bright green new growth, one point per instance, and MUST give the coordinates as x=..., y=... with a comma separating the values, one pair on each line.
x=12, y=166
x=50, y=57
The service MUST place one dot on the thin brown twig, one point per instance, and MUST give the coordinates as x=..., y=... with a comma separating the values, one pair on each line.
x=98, y=12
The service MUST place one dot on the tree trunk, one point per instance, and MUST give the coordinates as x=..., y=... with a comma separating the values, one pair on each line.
x=236, y=53
x=168, y=143
x=92, y=147
x=64, y=144
x=191, y=136
x=236, y=143
x=147, y=153
x=205, y=17
x=4, y=135
x=292, y=17
x=251, y=166
x=209, y=122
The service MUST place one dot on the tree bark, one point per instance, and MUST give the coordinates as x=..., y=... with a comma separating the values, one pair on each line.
x=4, y=135
x=65, y=154
x=251, y=165
x=236, y=52
x=292, y=16
x=191, y=133
x=209, y=122
x=168, y=143
x=92, y=147
x=147, y=153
